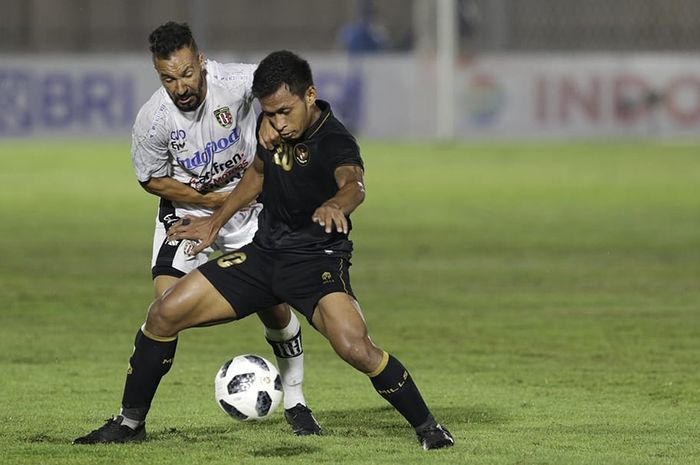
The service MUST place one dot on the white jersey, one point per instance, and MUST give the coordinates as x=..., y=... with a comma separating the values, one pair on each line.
x=207, y=149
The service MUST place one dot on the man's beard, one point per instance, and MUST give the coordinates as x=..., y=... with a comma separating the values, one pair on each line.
x=188, y=106
x=196, y=101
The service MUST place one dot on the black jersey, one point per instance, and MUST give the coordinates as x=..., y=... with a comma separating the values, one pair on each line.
x=298, y=178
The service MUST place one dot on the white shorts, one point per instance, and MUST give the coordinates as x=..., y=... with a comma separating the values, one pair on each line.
x=171, y=259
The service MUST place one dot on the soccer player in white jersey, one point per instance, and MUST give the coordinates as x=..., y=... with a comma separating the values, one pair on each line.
x=191, y=143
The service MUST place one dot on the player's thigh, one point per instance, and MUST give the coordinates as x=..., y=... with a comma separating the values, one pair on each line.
x=303, y=280
x=276, y=317
x=339, y=318
x=191, y=301
x=162, y=283
x=244, y=278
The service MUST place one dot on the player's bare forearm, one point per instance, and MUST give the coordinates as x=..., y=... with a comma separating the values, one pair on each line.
x=205, y=229
x=245, y=192
x=351, y=193
x=171, y=189
x=348, y=198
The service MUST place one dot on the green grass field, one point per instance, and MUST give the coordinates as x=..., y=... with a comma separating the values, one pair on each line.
x=546, y=298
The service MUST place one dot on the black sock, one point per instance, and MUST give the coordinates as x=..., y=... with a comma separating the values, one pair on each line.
x=150, y=361
x=395, y=384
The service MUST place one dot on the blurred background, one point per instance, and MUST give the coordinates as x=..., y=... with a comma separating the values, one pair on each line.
x=542, y=288
x=413, y=69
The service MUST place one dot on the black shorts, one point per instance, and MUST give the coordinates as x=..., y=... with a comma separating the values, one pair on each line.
x=253, y=279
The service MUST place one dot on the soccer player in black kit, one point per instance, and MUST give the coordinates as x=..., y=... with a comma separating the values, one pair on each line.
x=300, y=254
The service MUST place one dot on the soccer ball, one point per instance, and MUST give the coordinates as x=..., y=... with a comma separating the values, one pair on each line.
x=248, y=387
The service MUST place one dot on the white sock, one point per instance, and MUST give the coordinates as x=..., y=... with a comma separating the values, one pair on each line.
x=126, y=421
x=286, y=343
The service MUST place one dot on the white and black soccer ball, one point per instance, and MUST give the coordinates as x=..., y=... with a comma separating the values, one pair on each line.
x=248, y=387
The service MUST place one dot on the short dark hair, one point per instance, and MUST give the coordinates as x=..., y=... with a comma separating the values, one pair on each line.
x=279, y=68
x=169, y=38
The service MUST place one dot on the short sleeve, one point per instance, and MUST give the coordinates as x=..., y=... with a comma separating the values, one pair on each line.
x=149, y=145
x=341, y=149
x=232, y=74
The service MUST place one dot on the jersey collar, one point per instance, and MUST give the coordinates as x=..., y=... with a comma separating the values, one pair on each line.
x=325, y=114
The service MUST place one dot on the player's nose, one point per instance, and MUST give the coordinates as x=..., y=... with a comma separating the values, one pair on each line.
x=180, y=88
x=278, y=123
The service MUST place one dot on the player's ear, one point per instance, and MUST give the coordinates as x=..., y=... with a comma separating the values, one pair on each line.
x=201, y=60
x=310, y=95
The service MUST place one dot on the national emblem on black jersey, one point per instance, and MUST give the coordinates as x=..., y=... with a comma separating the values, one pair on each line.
x=224, y=117
x=285, y=155
x=301, y=154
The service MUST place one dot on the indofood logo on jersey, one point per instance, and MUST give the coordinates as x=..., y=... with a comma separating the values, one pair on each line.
x=204, y=156
x=224, y=117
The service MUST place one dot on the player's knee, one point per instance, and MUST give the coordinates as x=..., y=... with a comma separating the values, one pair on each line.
x=162, y=318
x=357, y=353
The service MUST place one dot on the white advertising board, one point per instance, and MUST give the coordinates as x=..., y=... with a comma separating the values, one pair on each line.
x=389, y=96
x=587, y=96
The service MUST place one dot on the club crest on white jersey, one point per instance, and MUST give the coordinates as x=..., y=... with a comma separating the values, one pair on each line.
x=223, y=116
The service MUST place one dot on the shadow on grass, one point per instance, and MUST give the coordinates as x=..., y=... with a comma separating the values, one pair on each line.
x=233, y=433
x=379, y=422
x=385, y=421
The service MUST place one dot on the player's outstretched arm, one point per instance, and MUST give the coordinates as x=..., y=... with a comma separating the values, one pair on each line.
x=351, y=193
x=171, y=189
x=204, y=229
